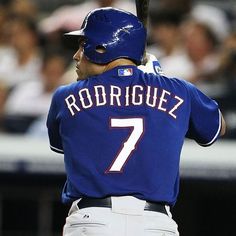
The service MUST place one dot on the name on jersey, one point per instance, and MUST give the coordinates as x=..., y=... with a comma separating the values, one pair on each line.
x=136, y=95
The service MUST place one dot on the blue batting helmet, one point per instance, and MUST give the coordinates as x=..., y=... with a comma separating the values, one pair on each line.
x=119, y=33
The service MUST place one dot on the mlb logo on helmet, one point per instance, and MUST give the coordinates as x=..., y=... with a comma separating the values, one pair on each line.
x=125, y=72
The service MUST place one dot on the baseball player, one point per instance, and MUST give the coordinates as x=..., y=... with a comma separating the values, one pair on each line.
x=121, y=131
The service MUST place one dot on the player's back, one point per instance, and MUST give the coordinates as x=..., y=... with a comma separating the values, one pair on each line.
x=122, y=134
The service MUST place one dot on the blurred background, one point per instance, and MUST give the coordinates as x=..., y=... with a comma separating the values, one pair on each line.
x=194, y=40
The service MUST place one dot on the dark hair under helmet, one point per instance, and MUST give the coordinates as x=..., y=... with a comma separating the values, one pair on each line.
x=119, y=33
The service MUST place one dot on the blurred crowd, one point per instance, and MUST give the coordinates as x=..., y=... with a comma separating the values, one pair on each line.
x=192, y=40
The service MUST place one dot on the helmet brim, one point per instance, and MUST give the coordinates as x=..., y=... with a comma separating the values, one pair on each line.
x=75, y=33
x=71, y=39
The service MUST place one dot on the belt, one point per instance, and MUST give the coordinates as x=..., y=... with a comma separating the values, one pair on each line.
x=106, y=202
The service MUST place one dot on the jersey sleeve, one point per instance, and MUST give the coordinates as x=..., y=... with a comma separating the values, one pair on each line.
x=205, y=118
x=53, y=125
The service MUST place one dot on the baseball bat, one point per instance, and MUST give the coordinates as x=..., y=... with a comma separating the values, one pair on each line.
x=142, y=14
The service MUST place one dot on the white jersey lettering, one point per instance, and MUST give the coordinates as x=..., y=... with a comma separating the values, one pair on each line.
x=127, y=97
x=100, y=95
x=137, y=98
x=85, y=95
x=153, y=97
x=163, y=99
x=136, y=95
x=115, y=95
x=177, y=105
x=70, y=101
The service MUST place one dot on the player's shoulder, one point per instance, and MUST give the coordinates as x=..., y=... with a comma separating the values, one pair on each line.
x=60, y=90
x=164, y=80
x=66, y=88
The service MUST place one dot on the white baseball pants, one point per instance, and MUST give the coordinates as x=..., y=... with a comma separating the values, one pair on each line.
x=125, y=218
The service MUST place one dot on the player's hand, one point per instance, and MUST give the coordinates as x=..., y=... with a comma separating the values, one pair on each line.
x=152, y=65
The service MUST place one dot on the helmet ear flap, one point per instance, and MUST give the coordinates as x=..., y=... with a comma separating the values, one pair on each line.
x=95, y=52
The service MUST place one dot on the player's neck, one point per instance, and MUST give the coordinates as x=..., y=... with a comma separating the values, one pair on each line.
x=118, y=62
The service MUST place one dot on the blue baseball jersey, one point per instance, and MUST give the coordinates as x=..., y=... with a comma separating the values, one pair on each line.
x=122, y=132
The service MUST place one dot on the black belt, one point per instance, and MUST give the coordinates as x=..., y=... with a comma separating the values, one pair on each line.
x=106, y=202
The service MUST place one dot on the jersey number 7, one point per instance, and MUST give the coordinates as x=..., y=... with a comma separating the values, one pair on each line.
x=130, y=144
